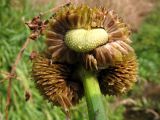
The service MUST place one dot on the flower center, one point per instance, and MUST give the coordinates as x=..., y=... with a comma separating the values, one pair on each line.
x=82, y=40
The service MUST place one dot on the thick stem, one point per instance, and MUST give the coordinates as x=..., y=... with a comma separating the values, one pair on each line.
x=96, y=107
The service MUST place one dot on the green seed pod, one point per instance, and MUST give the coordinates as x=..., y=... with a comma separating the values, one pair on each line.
x=81, y=40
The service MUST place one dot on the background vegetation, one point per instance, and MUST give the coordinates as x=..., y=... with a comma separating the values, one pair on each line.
x=13, y=33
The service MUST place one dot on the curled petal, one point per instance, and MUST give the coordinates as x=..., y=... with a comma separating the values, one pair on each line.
x=90, y=62
x=116, y=28
x=108, y=54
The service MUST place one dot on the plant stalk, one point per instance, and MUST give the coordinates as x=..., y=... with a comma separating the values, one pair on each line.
x=96, y=107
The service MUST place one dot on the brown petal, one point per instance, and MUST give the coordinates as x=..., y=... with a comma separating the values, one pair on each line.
x=120, y=77
x=56, y=83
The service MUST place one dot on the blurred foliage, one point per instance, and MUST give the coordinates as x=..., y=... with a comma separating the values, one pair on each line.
x=13, y=34
x=147, y=46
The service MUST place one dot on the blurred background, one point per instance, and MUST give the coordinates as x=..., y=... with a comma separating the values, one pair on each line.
x=141, y=103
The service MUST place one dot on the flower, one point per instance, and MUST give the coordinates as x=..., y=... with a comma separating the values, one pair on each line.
x=96, y=36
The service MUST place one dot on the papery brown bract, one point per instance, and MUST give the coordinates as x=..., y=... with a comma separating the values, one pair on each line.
x=55, y=82
x=119, y=78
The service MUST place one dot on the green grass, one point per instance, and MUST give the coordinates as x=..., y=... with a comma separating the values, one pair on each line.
x=13, y=34
x=147, y=46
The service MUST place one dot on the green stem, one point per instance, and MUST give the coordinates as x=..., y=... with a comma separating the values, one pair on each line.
x=96, y=107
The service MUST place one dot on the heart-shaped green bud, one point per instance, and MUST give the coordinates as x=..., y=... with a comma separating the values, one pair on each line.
x=82, y=40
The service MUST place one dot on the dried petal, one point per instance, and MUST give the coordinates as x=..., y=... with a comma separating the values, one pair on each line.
x=55, y=82
x=119, y=78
